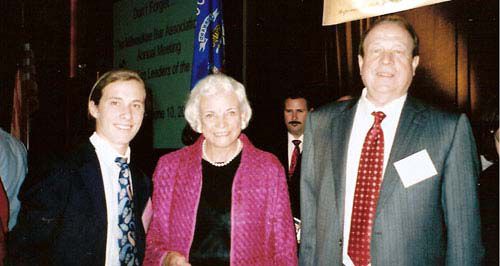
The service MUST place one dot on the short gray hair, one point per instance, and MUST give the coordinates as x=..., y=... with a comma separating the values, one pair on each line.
x=394, y=19
x=210, y=85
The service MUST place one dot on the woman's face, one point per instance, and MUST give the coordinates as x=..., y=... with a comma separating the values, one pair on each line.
x=220, y=120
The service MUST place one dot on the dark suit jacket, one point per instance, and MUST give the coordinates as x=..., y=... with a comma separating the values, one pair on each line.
x=63, y=217
x=433, y=222
x=280, y=149
x=488, y=202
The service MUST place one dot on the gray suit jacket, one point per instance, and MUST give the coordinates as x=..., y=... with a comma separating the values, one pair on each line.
x=434, y=222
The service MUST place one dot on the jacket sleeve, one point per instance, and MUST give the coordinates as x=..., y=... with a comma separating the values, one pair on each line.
x=459, y=197
x=285, y=243
x=308, y=192
x=156, y=238
x=30, y=242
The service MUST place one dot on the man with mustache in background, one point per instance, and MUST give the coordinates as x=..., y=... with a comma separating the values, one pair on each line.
x=295, y=110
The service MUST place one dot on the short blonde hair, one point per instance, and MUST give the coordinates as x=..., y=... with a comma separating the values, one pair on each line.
x=210, y=85
x=110, y=77
x=115, y=76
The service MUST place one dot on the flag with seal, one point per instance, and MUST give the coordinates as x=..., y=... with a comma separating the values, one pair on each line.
x=208, y=50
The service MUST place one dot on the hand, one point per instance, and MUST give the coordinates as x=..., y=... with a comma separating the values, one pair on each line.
x=175, y=258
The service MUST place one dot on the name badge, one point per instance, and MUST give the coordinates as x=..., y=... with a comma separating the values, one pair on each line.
x=415, y=168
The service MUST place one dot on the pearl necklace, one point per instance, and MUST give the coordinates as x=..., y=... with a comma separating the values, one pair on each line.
x=239, y=146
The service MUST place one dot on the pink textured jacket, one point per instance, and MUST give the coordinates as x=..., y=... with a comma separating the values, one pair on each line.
x=262, y=230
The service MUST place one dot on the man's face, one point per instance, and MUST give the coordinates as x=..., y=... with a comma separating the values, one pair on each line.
x=119, y=113
x=387, y=67
x=295, y=114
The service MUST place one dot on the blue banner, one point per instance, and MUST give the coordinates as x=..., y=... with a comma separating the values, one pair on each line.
x=208, y=50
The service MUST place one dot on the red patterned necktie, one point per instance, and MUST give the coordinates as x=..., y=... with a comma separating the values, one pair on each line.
x=366, y=194
x=295, y=157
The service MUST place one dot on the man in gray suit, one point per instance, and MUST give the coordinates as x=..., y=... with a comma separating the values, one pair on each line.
x=405, y=194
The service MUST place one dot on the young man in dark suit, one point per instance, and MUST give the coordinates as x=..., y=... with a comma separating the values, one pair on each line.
x=88, y=210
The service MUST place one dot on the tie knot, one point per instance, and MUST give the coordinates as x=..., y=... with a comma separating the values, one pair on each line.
x=122, y=162
x=379, y=116
x=296, y=142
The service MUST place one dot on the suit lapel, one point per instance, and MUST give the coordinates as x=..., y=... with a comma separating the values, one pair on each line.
x=408, y=127
x=283, y=152
x=340, y=137
x=139, y=190
x=92, y=179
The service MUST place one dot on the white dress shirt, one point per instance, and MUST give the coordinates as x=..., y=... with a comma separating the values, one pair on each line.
x=363, y=120
x=110, y=173
x=291, y=146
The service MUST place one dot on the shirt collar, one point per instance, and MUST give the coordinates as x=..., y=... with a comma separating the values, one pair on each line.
x=104, y=148
x=291, y=137
x=391, y=109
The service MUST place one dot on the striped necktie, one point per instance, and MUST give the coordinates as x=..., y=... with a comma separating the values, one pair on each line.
x=295, y=157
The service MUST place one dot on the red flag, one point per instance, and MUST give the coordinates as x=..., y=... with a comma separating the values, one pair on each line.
x=25, y=100
x=15, y=124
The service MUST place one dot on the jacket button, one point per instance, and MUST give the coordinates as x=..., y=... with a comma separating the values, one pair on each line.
x=340, y=242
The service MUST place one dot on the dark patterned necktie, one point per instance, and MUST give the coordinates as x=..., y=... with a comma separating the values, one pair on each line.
x=295, y=157
x=126, y=217
x=366, y=194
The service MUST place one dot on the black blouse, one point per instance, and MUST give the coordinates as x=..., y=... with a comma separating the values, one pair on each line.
x=212, y=236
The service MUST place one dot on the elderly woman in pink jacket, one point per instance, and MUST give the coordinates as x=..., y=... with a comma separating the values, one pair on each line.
x=220, y=201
